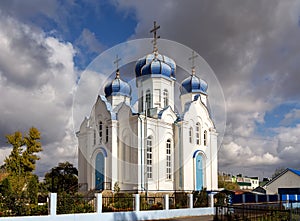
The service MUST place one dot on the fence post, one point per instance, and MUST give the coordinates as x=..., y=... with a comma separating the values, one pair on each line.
x=244, y=198
x=99, y=202
x=191, y=201
x=53, y=203
x=137, y=202
x=166, y=202
x=211, y=200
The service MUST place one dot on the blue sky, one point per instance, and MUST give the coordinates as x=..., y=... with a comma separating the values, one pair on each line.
x=253, y=48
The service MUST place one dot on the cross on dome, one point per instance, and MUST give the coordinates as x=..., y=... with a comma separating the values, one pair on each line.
x=155, y=37
x=117, y=64
x=193, y=61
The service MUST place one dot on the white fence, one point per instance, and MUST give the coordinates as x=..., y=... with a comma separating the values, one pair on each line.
x=111, y=216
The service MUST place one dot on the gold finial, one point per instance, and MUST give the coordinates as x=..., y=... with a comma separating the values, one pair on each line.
x=117, y=64
x=193, y=62
x=155, y=37
x=118, y=74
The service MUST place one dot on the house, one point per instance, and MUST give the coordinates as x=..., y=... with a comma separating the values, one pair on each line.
x=287, y=182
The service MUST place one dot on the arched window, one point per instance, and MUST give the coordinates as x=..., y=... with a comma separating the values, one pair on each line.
x=168, y=160
x=205, y=138
x=166, y=98
x=198, y=132
x=149, y=157
x=148, y=100
x=106, y=134
x=191, y=135
x=100, y=131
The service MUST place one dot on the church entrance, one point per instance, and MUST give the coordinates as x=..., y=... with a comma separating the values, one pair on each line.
x=99, y=171
x=199, y=172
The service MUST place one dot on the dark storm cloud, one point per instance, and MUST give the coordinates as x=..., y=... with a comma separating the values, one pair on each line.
x=252, y=46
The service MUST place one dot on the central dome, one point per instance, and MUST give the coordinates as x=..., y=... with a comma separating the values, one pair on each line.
x=155, y=64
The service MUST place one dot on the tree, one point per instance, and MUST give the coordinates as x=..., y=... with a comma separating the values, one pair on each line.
x=23, y=156
x=62, y=178
x=278, y=171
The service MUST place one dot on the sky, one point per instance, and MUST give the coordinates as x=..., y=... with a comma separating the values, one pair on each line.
x=252, y=47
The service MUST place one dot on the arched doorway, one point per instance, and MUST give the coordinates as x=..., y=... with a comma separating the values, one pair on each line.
x=199, y=172
x=99, y=171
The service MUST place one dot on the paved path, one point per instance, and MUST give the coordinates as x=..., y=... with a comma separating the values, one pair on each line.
x=191, y=218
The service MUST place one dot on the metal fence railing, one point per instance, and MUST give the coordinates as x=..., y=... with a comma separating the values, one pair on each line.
x=75, y=204
x=152, y=203
x=251, y=212
x=118, y=203
x=14, y=205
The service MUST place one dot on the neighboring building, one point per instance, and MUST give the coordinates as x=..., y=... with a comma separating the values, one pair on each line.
x=154, y=148
x=247, y=183
x=287, y=182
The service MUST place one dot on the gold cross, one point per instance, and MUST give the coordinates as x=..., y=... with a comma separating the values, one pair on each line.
x=193, y=61
x=117, y=61
x=155, y=37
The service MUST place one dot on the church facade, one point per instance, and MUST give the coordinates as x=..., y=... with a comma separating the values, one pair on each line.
x=152, y=148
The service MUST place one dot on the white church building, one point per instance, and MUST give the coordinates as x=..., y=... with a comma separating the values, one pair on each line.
x=153, y=148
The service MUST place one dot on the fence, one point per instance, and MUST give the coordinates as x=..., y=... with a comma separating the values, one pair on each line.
x=251, y=212
x=14, y=205
x=67, y=204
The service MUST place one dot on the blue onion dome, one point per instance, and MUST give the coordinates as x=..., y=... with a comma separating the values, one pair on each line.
x=193, y=84
x=117, y=87
x=155, y=64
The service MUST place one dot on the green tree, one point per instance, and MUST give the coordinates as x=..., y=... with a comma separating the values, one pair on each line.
x=23, y=156
x=278, y=171
x=62, y=178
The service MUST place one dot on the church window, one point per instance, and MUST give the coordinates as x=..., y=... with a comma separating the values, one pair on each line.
x=141, y=106
x=157, y=97
x=168, y=160
x=106, y=134
x=198, y=133
x=94, y=137
x=166, y=98
x=148, y=100
x=205, y=138
x=191, y=135
x=149, y=157
x=100, y=131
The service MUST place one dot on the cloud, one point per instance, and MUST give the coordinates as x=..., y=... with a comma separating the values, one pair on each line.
x=37, y=79
x=291, y=117
x=253, y=49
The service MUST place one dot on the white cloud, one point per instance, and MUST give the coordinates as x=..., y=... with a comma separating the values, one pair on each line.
x=37, y=79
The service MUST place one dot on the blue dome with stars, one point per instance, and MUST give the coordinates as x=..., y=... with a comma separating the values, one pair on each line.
x=155, y=64
x=193, y=84
x=117, y=87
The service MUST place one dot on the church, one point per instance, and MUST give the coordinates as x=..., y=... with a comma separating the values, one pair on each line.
x=151, y=147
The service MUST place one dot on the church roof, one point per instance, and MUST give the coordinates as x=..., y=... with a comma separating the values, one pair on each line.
x=193, y=84
x=108, y=107
x=117, y=87
x=156, y=65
